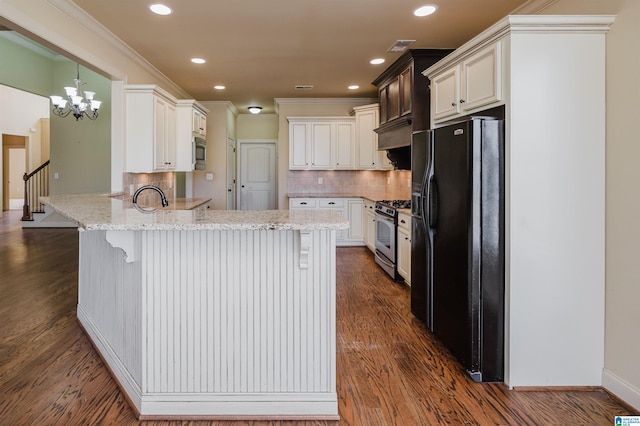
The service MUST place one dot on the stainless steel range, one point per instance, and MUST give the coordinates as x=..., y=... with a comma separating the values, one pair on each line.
x=386, y=234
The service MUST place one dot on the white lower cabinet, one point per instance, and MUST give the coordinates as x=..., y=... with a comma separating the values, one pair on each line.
x=355, y=233
x=349, y=208
x=404, y=247
x=369, y=224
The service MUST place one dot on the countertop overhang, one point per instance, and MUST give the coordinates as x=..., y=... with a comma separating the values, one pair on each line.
x=102, y=212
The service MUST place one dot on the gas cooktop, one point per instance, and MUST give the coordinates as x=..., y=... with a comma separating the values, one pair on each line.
x=396, y=204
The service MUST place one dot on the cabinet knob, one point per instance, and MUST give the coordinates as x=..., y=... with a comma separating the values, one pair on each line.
x=453, y=104
x=331, y=202
x=304, y=203
x=406, y=238
x=402, y=221
x=461, y=101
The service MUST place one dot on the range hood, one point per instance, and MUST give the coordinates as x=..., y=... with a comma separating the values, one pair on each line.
x=395, y=138
x=400, y=157
x=394, y=135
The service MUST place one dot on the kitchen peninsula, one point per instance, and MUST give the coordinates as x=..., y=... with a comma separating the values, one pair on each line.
x=208, y=313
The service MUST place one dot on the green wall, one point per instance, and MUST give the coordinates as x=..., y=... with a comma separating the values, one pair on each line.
x=23, y=69
x=80, y=150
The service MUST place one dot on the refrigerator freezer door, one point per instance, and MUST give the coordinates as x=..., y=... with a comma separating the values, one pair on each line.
x=421, y=297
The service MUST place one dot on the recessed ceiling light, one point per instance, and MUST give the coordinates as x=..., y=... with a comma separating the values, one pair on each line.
x=353, y=87
x=376, y=61
x=198, y=60
x=425, y=10
x=160, y=9
x=219, y=87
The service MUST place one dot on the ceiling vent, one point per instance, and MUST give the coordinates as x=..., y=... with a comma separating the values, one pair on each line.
x=303, y=87
x=400, y=45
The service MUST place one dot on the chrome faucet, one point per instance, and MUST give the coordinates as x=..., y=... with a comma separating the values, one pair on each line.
x=165, y=203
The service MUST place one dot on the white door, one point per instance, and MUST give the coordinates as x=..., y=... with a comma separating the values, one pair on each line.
x=257, y=172
x=231, y=174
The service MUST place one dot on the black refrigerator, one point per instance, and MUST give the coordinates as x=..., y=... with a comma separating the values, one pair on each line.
x=457, y=249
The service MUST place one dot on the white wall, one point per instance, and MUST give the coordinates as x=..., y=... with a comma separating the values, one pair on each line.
x=220, y=126
x=20, y=114
x=621, y=373
x=257, y=126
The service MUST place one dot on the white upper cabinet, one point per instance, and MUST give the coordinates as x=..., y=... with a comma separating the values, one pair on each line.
x=158, y=130
x=150, y=129
x=298, y=146
x=321, y=143
x=164, y=135
x=366, y=147
x=473, y=84
x=186, y=112
x=199, y=123
x=345, y=145
x=322, y=139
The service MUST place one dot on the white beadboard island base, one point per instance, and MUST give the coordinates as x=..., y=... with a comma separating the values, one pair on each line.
x=216, y=321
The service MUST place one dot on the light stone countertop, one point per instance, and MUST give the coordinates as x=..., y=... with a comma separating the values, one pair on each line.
x=102, y=212
x=368, y=195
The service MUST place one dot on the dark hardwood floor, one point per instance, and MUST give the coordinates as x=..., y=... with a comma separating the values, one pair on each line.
x=391, y=370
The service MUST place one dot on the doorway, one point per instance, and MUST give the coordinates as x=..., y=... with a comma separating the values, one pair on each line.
x=14, y=166
x=257, y=174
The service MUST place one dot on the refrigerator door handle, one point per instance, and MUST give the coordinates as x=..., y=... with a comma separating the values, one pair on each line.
x=433, y=202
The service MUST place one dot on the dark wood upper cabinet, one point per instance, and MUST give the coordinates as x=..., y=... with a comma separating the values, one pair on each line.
x=405, y=79
x=393, y=100
x=404, y=92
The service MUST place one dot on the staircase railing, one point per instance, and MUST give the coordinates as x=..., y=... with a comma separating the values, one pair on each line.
x=36, y=185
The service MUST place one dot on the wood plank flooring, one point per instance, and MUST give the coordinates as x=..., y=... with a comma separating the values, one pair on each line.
x=391, y=370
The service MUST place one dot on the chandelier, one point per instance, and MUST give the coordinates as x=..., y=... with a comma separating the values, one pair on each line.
x=75, y=104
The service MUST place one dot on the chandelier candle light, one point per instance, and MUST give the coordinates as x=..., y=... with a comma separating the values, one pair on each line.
x=75, y=104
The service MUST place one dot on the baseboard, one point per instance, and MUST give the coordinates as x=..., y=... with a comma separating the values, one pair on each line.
x=622, y=389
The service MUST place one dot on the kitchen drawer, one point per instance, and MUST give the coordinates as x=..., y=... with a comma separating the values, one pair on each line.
x=330, y=202
x=302, y=203
x=404, y=221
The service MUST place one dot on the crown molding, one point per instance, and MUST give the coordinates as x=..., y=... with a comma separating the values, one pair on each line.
x=532, y=7
x=48, y=36
x=86, y=21
x=317, y=101
x=525, y=24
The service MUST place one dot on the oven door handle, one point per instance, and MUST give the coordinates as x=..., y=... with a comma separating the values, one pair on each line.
x=383, y=217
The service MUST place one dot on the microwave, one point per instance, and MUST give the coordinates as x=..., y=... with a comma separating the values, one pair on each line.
x=199, y=153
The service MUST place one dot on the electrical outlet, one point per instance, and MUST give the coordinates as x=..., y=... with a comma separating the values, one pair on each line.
x=209, y=176
x=131, y=189
x=320, y=181
x=56, y=175
x=388, y=181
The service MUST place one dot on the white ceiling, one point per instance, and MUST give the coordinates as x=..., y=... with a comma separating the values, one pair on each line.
x=261, y=49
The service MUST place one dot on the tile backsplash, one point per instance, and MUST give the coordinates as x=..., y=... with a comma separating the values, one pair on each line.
x=163, y=180
x=389, y=184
